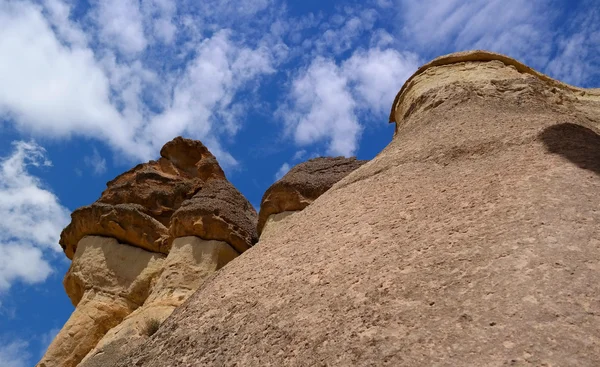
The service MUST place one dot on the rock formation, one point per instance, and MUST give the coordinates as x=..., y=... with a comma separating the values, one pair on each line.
x=472, y=239
x=302, y=185
x=156, y=233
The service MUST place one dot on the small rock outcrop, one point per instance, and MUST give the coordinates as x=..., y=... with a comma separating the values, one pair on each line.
x=217, y=212
x=472, y=239
x=302, y=185
x=151, y=239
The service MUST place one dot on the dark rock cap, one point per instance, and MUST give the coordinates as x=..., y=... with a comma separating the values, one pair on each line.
x=303, y=184
x=217, y=212
x=137, y=206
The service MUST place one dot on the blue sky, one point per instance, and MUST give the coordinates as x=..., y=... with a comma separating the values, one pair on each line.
x=91, y=88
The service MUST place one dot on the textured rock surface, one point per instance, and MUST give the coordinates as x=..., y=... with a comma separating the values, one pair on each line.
x=274, y=220
x=303, y=184
x=151, y=192
x=106, y=281
x=471, y=240
x=190, y=261
x=125, y=222
x=217, y=212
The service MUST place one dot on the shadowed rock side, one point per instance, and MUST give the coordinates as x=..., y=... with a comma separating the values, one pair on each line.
x=472, y=239
x=156, y=233
x=303, y=184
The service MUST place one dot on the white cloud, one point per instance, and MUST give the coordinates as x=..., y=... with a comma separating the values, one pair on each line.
x=96, y=162
x=285, y=168
x=58, y=88
x=342, y=33
x=160, y=15
x=58, y=15
x=14, y=354
x=514, y=27
x=32, y=218
x=322, y=109
x=578, y=52
x=377, y=76
x=325, y=99
x=121, y=25
x=299, y=155
x=49, y=88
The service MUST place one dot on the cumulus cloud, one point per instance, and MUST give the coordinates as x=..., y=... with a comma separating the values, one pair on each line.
x=56, y=85
x=14, y=354
x=322, y=108
x=47, y=86
x=32, y=218
x=121, y=23
x=326, y=98
x=377, y=76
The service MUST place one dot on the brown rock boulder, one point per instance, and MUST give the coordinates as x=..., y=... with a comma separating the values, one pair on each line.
x=161, y=186
x=303, y=184
x=217, y=212
x=472, y=239
x=137, y=206
x=128, y=223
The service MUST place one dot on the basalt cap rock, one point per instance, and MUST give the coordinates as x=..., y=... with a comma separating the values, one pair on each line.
x=217, y=212
x=137, y=206
x=161, y=186
x=128, y=223
x=480, y=56
x=303, y=184
x=192, y=157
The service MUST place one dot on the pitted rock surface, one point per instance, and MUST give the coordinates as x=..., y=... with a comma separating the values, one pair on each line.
x=303, y=184
x=472, y=239
x=217, y=212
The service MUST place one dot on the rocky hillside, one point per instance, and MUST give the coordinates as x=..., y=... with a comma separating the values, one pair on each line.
x=472, y=239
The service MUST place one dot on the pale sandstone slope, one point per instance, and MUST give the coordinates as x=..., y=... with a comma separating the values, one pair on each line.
x=471, y=240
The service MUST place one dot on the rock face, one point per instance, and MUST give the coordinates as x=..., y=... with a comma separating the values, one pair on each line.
x=156, y=233
x=190, y=261
x=472, y=239
x=137, y=206
x=106, y=282
x=217, y=212
x=303, y=184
